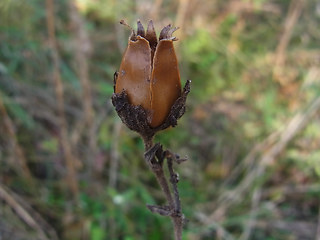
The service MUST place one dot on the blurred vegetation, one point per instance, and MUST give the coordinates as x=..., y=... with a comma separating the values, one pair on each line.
x=70, y=170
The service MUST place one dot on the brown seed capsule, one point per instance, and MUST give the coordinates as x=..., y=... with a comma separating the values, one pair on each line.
x=135, y=73
x=149, y=72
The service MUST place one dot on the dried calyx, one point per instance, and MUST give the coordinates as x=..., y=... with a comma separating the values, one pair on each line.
x=135, y=117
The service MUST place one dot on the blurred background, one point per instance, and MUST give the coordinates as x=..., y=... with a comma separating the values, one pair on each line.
x=69, y=169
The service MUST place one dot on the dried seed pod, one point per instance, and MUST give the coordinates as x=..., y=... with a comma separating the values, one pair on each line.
x=149, y=75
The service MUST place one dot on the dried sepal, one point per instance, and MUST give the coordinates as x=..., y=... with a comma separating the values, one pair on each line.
x=140, y=29
x=155, y=156
x=151, y=36
x=162, y=210
x=135, y=117
x=177, y=109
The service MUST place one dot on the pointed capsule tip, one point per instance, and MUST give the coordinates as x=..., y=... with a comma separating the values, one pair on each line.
x=167, y=31
x=150, y=25
x=151, y=36
x=140, y=29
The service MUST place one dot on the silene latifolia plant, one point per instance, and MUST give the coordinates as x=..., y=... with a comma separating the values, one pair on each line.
x=148, y=98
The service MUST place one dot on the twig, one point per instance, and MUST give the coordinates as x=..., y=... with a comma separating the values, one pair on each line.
x=63, y=136
x=82, y=51
x=299, y=229
x=157, y=168
x=292, y=189
x=20, y=160
x=291, y=19
x=249, y=160
x=215, y=225
x=155, y=156
x=30, y=217
x=256, y=196
x=238, y=8
x=174, y=179
x=295, y=125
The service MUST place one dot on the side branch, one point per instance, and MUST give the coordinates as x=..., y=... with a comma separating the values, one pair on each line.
x=154, y=157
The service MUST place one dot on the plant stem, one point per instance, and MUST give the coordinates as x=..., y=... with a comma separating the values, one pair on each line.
x=178, y=218
x=174, y=203
x=148, y=142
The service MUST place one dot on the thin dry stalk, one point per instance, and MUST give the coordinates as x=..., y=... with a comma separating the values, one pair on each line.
x=294, y=12
x=20, y=161
x=295, y=125
x=256, y=196
x=159, y=173
x=298, y=229
x=58, y=85
x=180, y=19
x=173, y=210
x=237, y=8
x=223, y=233
x=82, y=51
x=27, y=214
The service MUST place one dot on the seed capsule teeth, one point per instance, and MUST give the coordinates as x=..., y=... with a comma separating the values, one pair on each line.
x=151, y=33
x=151, y=36
x=140, y=29
x=164, y=32
x=171, y=31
